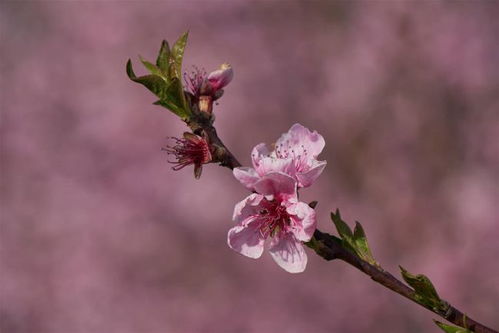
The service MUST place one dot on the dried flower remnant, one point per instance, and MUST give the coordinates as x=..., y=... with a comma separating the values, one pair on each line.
x=191, y=149
x=295, y=154
x=274, y=211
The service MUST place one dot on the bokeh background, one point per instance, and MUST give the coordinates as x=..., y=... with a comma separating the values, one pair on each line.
x=98, y=234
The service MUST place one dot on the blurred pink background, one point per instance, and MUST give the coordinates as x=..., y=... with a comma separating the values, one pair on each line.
x=98, y=234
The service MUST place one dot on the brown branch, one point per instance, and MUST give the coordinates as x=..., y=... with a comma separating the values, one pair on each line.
x=329, y=247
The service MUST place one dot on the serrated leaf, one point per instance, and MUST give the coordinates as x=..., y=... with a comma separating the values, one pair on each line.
x=172, y=99
x=152, y=68
x=421, y=283
x=172, y=107
x=177, y=55
x=163, y=59
x=343, y=229
x=450, y=328
x=361, y=245
x=152, y=82
x=425, y=291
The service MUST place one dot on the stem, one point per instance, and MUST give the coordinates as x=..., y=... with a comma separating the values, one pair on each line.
x=329, y=248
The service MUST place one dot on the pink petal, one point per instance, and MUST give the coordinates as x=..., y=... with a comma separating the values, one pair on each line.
x=247, y=176
x=272, y=164
x=221, y=77
x=247, y=240
x=303, y=220
x=259, y=151
x=277, y=184
x=306, y=179
x=246, y=208
x=289, y=253
x=300, y=139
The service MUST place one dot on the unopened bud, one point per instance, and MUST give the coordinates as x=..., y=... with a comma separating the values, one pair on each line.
x=221, y=77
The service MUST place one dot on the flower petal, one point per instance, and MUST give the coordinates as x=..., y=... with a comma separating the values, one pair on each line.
x=303, y=221
x=246, y=208
x=300, y=140
x=271, y=164
x=221, y=77
x=259, y=151
x=306, y=178
x=247, y=240
x=289, y=253
x=277, y=184
x=247, y=176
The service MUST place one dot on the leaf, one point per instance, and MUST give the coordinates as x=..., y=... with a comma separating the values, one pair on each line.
x=360, y=239
x=172, y=107
x=425, y=291
x=152, y=82
x=450, y=328
x=172, y=99
x=177, y=55
x=343, y=229
x=163, y=59
x=152, y=68
x=355, y=241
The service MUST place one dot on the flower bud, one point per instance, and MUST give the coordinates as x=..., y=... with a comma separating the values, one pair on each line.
x=221, y=77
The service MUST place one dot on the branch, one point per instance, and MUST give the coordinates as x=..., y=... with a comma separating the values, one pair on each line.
x=330, y=247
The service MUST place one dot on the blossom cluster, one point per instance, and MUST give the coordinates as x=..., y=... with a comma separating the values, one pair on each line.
x=273, y=210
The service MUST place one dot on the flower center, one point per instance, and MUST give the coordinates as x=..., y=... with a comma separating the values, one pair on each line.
x=274, y=218
x=299, y=154
x=194, y=80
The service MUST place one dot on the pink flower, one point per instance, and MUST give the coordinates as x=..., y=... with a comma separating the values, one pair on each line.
x=295, y=154
x=201, y=84
x=221, y=77
x=192, y=149
x=275, y=212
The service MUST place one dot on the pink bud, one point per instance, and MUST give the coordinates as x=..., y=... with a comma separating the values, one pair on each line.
x=221, y=77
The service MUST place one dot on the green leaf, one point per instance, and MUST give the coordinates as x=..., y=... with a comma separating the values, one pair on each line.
x=172, y=107
x=361, y=245
x=152, y=68
x=152, y=82
x=355, y=241
x=425, y=291
x=343, y=229
x=450, y=328
x=163, y=59
x=177, y=55
x=172, y=99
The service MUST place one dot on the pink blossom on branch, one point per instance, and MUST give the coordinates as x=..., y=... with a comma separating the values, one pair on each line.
x=199, y=83
x=295, y=154
x=274, y=212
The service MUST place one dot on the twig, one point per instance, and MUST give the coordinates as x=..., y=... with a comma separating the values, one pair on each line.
x=329, y=248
